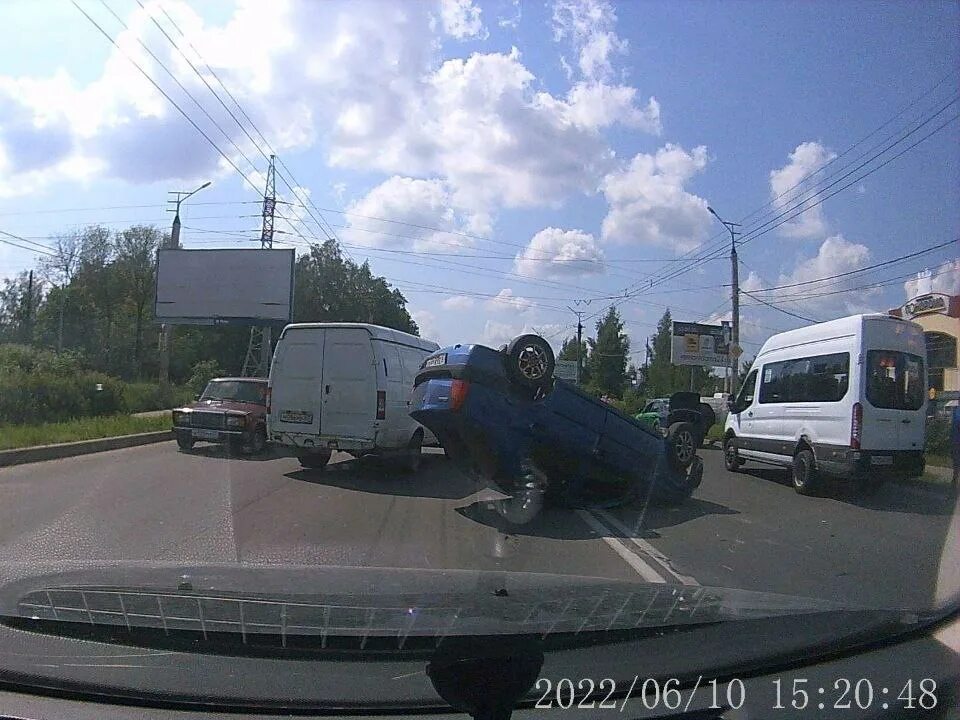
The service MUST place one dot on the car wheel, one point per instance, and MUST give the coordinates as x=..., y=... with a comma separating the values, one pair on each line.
x=259, y=441
x=185, y=441
x=315, y=460
x=414, y=453
x=804, y=473
x=731, y=460
x=682, y=438
x=530, y=361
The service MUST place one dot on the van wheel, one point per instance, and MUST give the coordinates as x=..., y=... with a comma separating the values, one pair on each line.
x=731, y=459
x=314, y=460
x=530, y=361
x=804, y=473
x=682, y=438
x=413, y=454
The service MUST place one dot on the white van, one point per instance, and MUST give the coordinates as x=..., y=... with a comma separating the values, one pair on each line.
x=843, y=398
x=345, y=386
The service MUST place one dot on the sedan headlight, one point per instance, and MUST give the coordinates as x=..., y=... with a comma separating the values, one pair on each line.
x=236, y=421
x=181, y=418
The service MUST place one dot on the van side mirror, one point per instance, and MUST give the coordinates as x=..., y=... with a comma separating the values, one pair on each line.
x=731, y=404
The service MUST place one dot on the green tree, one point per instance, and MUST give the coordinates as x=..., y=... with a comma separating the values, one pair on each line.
x=329, y=289
x=608, y=355
x=18, y=306
x=663, y=378
x=136, y=249
x=745, y=367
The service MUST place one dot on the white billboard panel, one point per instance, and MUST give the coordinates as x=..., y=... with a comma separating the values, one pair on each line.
x=222, y=287
x=698, y=344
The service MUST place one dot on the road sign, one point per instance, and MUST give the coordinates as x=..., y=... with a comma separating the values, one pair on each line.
x=698, y=344
x=735, y=351
x=566, y=370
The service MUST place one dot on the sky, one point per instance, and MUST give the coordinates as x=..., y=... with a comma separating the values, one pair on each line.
x=505, y=164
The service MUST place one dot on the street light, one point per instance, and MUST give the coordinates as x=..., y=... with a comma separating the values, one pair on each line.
x=166, y=331
x=181, y=197
x=734, y=297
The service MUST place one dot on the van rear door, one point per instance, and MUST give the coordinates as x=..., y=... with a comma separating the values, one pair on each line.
x=893, y=414
x=295, y=380
x=349, y=384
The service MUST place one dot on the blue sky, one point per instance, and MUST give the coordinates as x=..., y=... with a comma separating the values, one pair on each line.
x=579, y=142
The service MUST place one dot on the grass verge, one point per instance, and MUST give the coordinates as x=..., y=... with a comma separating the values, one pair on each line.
x=90, y=428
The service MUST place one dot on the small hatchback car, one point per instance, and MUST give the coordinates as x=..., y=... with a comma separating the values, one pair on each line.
x=504, y=415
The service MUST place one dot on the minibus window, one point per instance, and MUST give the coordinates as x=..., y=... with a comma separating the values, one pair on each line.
x=894, y=380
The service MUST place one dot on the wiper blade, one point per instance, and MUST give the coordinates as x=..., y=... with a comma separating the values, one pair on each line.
x=392, y=624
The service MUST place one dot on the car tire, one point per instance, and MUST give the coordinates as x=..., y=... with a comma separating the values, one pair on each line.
x=258, y=443
x=731, y=459
x=413, y=453
x=315, y=460
x=682, y=439
x=530, y=361
x=185, y=441
x=804, y=473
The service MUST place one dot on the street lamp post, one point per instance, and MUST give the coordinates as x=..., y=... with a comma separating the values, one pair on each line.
x=734, y=348
x=166, y=331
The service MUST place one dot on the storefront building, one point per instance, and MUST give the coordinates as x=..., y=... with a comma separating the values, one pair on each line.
x=939, y=316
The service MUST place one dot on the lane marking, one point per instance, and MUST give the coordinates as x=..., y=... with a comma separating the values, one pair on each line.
x=648, y=549
x=631, y=558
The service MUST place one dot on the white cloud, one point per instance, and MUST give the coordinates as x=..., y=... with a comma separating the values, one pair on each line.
x=457, y=302
x=553, y=251
x=945, y=279
x=512, y=22
x=376, y=92
x=598, y=106
x=423, y=203
x=496, y=333
x=461, y=19
x=427, y=323
x=835, y=256
x=649, y=205
x=588, y=26
x=753, y=282
x=507, y=301
x=790, y=184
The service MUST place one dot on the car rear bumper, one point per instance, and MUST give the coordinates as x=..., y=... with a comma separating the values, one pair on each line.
x=308, y=441
x=880, y=464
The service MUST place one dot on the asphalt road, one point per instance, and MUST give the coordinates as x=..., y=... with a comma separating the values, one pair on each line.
x=746, y=530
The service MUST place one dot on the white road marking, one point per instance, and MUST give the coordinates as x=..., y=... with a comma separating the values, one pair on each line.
x=631, y=558
x=648, y=549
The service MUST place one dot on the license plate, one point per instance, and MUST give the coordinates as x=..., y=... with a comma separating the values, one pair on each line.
x=206, y=434
x=436, y=360
x=881, y=460
x=296, y=416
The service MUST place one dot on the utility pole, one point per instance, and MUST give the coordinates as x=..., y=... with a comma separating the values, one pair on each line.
x=28, y=315
x=579, y=314
x=166, y=331
x=256, y=363
x=734, y=299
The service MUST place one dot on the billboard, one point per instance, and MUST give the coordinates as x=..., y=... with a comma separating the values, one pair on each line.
x=566, y=370
x=224, y=287
x=698, y=344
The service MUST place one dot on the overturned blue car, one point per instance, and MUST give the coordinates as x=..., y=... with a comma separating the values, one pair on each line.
x=503, y=415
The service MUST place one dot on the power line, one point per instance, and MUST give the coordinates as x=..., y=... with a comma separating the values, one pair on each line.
x=159, y=89
x=709, y=245
x=875, y=266
x=779, y=309
x=38, y=249
x=55, y=211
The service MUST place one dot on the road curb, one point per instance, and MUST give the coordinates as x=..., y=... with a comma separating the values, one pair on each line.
x=39, y=453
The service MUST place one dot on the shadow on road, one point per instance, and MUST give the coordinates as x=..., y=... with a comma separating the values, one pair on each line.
x=891, y=496
x=223, y=452
x=561, y=523
x=436, y=478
